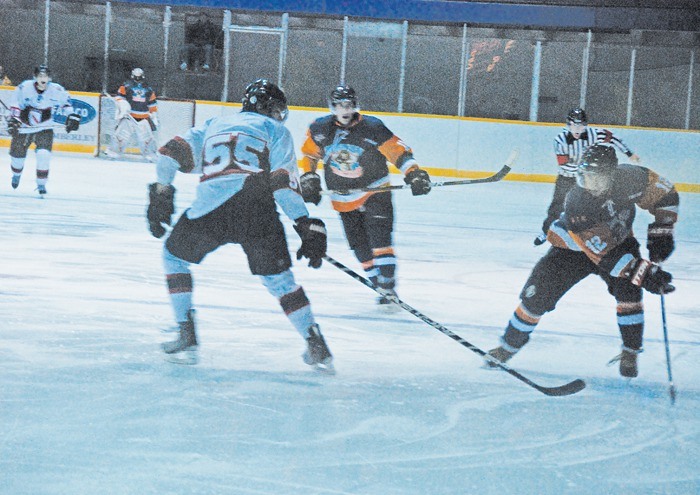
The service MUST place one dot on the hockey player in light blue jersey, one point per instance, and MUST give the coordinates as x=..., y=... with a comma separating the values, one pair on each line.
x=34, y=104
x=247, y=165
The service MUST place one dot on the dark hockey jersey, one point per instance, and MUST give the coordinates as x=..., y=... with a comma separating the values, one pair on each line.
x=142, y=99
x=600, y=225
x=354, y=157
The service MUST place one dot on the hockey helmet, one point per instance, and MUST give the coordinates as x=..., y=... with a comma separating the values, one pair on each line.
x=343, y=104
x=341, y=94
x=42, y=76
x=265, y=98
x=137, y=74
x=577, y=116
x=596, y=168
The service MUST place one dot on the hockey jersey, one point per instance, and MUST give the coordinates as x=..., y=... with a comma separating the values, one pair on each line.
x=35, y=109
x=141, y=97
x=600, y=225
x=354, y=157
x=229, y=150
x=569, y=149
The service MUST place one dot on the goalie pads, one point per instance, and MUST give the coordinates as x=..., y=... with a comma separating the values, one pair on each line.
x=122, y=110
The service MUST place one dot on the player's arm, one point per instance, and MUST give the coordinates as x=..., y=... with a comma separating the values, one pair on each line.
x=660, y=198
x=310, y=181
x=401, y=155
x=606, y=136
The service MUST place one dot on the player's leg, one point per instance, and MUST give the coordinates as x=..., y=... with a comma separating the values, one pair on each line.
x=254, y=223
x=44, y=144
x=630, y=317
x=189, y=242
x=147, y=140
x=18, y=155
x=358, y=241
x=552, y=277
x=379, y=226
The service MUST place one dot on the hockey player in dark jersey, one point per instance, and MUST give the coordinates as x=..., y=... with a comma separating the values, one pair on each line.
x=136, y=114
x=594, y=235
x=568, y=146
x=248, y=166
x=34, y=104
x=355, y=149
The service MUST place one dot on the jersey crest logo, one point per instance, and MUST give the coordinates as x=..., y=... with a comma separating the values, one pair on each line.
x=344, y=161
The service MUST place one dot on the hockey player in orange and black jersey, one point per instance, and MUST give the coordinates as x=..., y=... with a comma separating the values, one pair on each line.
x=136, y=114
x=355, y=149
x=569, y=144
x=594, y=235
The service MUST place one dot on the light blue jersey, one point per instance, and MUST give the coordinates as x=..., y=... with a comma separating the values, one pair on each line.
x=226, y=151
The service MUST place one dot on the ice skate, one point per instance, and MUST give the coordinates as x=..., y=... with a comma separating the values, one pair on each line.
x=15, y=181
x=540, y=239
x=500, y=354
x=317, y=353
x=41, y=190
x=111, y=154
x=628, y=362
x=184, y=349
x=387, y=301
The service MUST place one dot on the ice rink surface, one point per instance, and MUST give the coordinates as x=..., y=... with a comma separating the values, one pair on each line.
x=89, y=406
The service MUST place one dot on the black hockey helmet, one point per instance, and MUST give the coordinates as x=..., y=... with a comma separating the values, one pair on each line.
x=43, y=69
x=265, y=98
x=342, y=93
x=137, y=75
x=596, y=167
x=577, y=116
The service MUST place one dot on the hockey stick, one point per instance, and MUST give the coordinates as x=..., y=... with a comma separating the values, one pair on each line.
x=491, y=178
x=671, y=386
x=567, y=389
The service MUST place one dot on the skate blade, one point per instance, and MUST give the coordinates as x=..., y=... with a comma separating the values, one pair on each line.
x=326, y=369
x=392, y=308
x=188, y=357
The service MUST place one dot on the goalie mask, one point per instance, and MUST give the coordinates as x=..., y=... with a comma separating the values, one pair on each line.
x=137, y=75
x=265, y=98
x=343, y=104
x=42, y=76
x=596, y=168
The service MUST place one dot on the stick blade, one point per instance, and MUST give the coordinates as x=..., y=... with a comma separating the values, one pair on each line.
x=563, y=390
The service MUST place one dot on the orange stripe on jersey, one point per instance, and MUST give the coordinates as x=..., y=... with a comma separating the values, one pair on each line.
x=383, y=251
x=525, y=316
x=344, y=206
x=393, y=148
x=366, y=265
x=310, y=148
x=308, y=164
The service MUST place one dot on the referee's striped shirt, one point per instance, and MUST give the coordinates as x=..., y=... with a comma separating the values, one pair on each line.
x=569, y=150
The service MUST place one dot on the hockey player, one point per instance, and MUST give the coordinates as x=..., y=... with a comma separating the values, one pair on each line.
x=136, y=114
x=248, y=165
x=594, y=235
x=34, y=104
x=568, y=146
x=354, y=149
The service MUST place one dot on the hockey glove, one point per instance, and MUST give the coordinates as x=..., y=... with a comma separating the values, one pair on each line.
x=313, y=240
x=310, y=184
x=13, y=126
x=161, y=206
x=660, y=242
x=651, y=277
x=419, y=181
x=72, y=122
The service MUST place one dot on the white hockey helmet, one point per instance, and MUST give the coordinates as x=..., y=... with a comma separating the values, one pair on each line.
x=137, y=74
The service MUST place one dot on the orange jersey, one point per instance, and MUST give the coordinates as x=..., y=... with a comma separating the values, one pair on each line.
x=354, y=157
